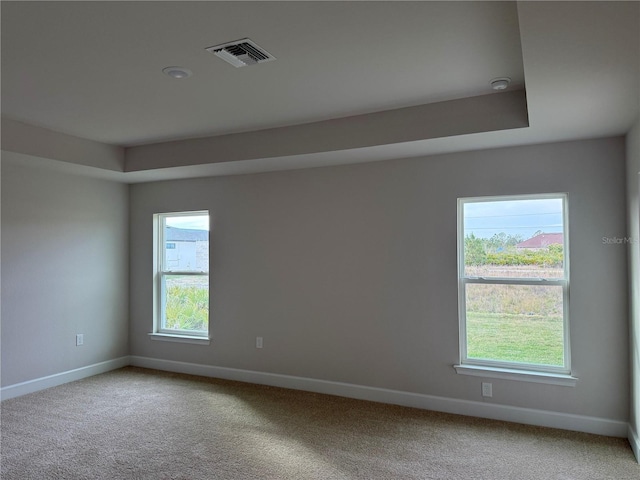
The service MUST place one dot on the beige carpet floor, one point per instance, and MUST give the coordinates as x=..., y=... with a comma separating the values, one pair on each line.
x=143, y=424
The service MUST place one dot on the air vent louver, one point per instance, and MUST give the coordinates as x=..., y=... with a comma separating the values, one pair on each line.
x=241, y=53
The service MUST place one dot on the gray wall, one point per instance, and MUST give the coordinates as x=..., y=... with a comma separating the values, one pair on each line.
x=633, y=210
x=64, y=270
x=349, y=273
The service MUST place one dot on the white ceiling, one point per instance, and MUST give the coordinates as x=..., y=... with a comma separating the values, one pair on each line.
x=93, y=69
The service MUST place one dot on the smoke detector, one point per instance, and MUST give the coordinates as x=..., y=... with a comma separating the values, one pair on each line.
x=500, y=83
x=241, y=53
x=177, y=72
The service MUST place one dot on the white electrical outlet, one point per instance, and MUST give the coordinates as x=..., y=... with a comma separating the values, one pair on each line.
x=79, y=339
x=258, y=342
x=487, y=390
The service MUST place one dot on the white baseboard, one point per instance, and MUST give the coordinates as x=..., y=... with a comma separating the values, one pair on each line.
x=634, y=440
x=31, y=386
x=544, y=418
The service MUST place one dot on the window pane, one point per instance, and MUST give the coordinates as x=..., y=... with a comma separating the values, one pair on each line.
x=514, y=238
x=186, y=302
x=186, y=247
x=515, y=323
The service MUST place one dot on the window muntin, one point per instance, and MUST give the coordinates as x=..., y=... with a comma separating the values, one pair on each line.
x=514, y=282
x=182, y=273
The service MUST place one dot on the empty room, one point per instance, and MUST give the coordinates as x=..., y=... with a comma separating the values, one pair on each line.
x=320, y=240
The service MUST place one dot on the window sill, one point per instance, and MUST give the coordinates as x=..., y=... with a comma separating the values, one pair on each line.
x=519, y=375
x=165, y=337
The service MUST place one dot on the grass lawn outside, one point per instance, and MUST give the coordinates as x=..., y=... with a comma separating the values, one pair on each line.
x=515, y=338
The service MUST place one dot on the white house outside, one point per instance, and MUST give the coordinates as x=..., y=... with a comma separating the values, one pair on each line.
x=186, y=249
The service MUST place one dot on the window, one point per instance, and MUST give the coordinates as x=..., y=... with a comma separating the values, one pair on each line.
x=181, y=290
x=513, y=283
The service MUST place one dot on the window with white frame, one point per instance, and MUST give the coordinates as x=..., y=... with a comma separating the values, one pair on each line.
x=181, y=287
x=513, y=283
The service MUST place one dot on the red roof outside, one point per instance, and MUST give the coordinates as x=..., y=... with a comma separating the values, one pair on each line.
x=542, y=240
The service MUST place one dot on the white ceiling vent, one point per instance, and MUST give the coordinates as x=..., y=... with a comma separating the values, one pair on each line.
x=241, y=53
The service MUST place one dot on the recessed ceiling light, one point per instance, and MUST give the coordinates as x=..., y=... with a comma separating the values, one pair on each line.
x=500, y=83
x=177, y=72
